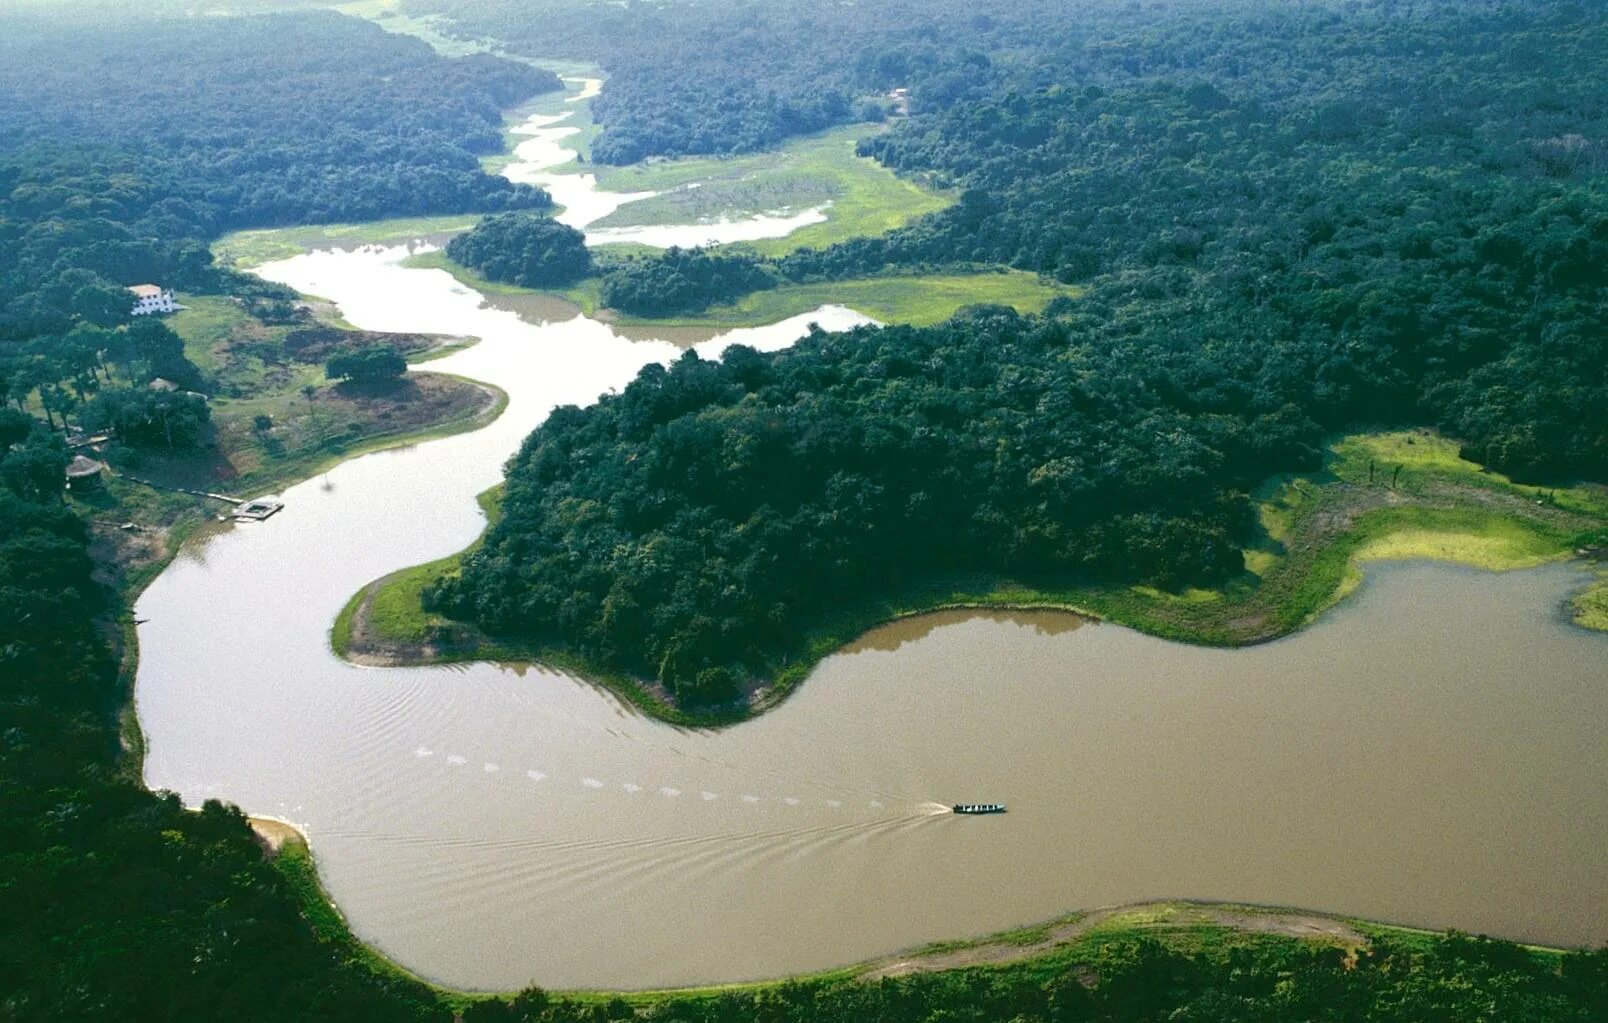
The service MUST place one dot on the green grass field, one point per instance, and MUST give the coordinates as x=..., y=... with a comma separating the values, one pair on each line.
x=894, y=299
x=914, y=300
x=1591, y=606
x=865, y=198
x=245, y=249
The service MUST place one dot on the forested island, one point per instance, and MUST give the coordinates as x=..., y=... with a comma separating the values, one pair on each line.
x=1291, y=224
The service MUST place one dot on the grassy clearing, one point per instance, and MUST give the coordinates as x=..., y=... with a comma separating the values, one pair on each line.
x=276, y=420
x=392, y=608
x=897, y=299
x=310, y=422
x=1590, y=607
x=866, y=198
x=245, y=249
x=915, y=300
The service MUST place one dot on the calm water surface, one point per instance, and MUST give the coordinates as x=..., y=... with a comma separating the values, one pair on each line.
x=543, y=149
x=1434, y=752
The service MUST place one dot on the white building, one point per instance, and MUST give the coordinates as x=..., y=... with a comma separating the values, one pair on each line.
x=148, y=298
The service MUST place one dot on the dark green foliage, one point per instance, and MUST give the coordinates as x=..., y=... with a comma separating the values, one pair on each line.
x=724, y=76
x=1141, y=980
x=371, y=364
x=693, y=526
x=145, y=418
x=118, y=158
x=152, y=351
x=34, y=461
x=523, y=249
x=1444, y=223
x=681, y=281
x=116, y=903
x=122, y=145
x=1417, y=185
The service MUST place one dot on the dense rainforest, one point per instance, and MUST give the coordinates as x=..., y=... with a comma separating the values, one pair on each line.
x=1263, y=267
x=730, y=76
x=125, y=144
x=1381, y=178
x=124, y=148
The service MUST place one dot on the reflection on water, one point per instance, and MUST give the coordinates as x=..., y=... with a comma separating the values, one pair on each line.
x=895, y=634
x=1434, y=752
x=542, y=308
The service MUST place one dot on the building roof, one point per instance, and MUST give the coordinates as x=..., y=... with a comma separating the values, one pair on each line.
x=145, y=290
x=161, y=384
x=81, y=466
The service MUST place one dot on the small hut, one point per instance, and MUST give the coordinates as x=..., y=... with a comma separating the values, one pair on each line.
x=84, y=475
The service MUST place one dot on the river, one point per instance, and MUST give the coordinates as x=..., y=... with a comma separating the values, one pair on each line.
x=1434, y=752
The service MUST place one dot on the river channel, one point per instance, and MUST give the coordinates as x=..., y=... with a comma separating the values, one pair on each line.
x=1433, y=752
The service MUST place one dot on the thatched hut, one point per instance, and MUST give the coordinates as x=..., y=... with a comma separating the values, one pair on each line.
x=84, y=475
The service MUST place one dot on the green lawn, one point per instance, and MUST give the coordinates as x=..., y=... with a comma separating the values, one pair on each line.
x=392, y=608
x=914, y=300
x=1591, y=606
x=894, y=299
x=245, y=249
x=865, y=198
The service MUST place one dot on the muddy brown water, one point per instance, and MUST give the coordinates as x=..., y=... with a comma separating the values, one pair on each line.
x=1433, y=752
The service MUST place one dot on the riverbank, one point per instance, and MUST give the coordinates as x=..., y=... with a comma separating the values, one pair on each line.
x=861, y=197
x=1192, y=927
x=1397, y=495
x=276, y=422
x=917, y=300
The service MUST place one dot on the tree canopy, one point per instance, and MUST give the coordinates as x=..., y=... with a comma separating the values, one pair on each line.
x=523, y=249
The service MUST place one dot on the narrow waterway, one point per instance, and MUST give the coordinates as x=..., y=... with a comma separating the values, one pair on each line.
x=541, y=154
x=1434, y=752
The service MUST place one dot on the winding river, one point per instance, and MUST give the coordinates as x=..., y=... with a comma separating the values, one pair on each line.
x=1434, y=752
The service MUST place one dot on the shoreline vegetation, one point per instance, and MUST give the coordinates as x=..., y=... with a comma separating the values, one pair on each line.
x=916, y=299
x=277, y=424
x=1388, y=495
x=1190, y=925
x=862, y=199
x=1382, y=496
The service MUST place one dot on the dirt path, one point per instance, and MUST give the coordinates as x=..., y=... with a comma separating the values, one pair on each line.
x=1157, y=917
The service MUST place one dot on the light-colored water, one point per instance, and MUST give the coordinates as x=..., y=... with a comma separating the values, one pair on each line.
x=1434, y=752
x=584, y=204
